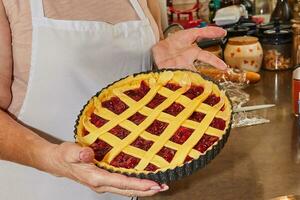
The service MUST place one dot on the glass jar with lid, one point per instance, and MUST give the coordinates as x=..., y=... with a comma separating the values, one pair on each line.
x=277, y=47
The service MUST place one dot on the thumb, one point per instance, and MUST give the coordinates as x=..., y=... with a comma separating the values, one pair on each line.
x=74, y=153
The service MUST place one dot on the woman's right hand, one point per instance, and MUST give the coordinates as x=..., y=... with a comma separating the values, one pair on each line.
x=75, y=162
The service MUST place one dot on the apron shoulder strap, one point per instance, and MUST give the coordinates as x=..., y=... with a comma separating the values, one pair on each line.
x=139, y=10
x=37, y=9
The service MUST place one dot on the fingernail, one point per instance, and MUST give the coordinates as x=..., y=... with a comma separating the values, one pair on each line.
x=164, y=187
x=81, y=155
x=84, y=156
x=155, y=188
x=225, y=66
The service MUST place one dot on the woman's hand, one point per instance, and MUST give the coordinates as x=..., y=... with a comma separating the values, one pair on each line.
x=180, y=51
x=75, y=162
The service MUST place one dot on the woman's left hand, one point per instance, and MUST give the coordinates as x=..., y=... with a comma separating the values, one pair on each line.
x=180, y=51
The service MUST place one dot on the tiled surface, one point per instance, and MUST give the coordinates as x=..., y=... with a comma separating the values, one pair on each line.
x=257, y=163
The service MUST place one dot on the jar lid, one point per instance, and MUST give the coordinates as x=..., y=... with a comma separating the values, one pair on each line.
x=270, y=26
x=250, y=25
x=296, y=73
x=236, y=29
x=244, y=40
x=277, y=34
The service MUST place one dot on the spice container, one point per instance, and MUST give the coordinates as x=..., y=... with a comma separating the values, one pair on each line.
x=296, y=91
x=296, y=41
x=277, y=45
x=216, y=50
x=244, y=53
x=296, y=10
x=213, y=46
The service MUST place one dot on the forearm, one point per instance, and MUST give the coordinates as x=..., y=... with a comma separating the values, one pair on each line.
x=21, y=145
x=154, y=8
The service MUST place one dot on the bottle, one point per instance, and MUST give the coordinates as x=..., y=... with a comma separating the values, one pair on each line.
x=249, y=6
x=214, y=5
x=212, y=11
x=296, y=91
x=282, y=11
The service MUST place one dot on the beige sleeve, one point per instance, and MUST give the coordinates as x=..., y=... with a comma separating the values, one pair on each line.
x=6, y=67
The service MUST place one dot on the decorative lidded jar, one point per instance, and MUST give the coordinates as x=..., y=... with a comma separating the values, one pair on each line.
x=244, y=53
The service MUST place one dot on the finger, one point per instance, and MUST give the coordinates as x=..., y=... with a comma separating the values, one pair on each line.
x=183, y=60
x=211, y=59
x=187, y=58
x=210, y=32
x=129, y=193
x=179, y=62
x=73, y=153
x=127, y=183
x=196, y=34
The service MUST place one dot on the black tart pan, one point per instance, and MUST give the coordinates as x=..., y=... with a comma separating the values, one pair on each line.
x=180, y=171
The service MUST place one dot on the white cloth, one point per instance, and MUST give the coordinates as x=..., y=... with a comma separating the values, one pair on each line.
x=71, y=61
x=230, y=15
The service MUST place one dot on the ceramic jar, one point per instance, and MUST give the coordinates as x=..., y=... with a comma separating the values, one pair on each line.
x=244, y=53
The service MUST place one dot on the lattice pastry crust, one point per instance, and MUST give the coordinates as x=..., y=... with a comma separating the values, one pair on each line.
x=152, y=122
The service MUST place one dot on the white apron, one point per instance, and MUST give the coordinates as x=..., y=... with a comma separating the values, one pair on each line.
x=71, y=61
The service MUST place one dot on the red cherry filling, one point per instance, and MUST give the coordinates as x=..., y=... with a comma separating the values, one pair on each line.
x=218, y=123
x=194, y=92
x=115, y=104
x=120, y=132
x=139, y=93
x=157, y=127
x=167, y=153
x=223, y=108
x=212, y=100
x=187, y=159
x=152, y=168
x=100, y=148
x=85, y=132
x=156, y=101
x=172, y=86
x=97, y=121
x=174, y=109
x=197, y=116
x=137, y=118
x=205, y=142
x=181, y=135
x=141, y=143
x=125, y=161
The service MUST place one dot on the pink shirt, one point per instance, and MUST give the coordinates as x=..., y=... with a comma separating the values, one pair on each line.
x=19, y=16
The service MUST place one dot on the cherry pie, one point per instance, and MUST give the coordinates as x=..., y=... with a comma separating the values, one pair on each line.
x=156, y=124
